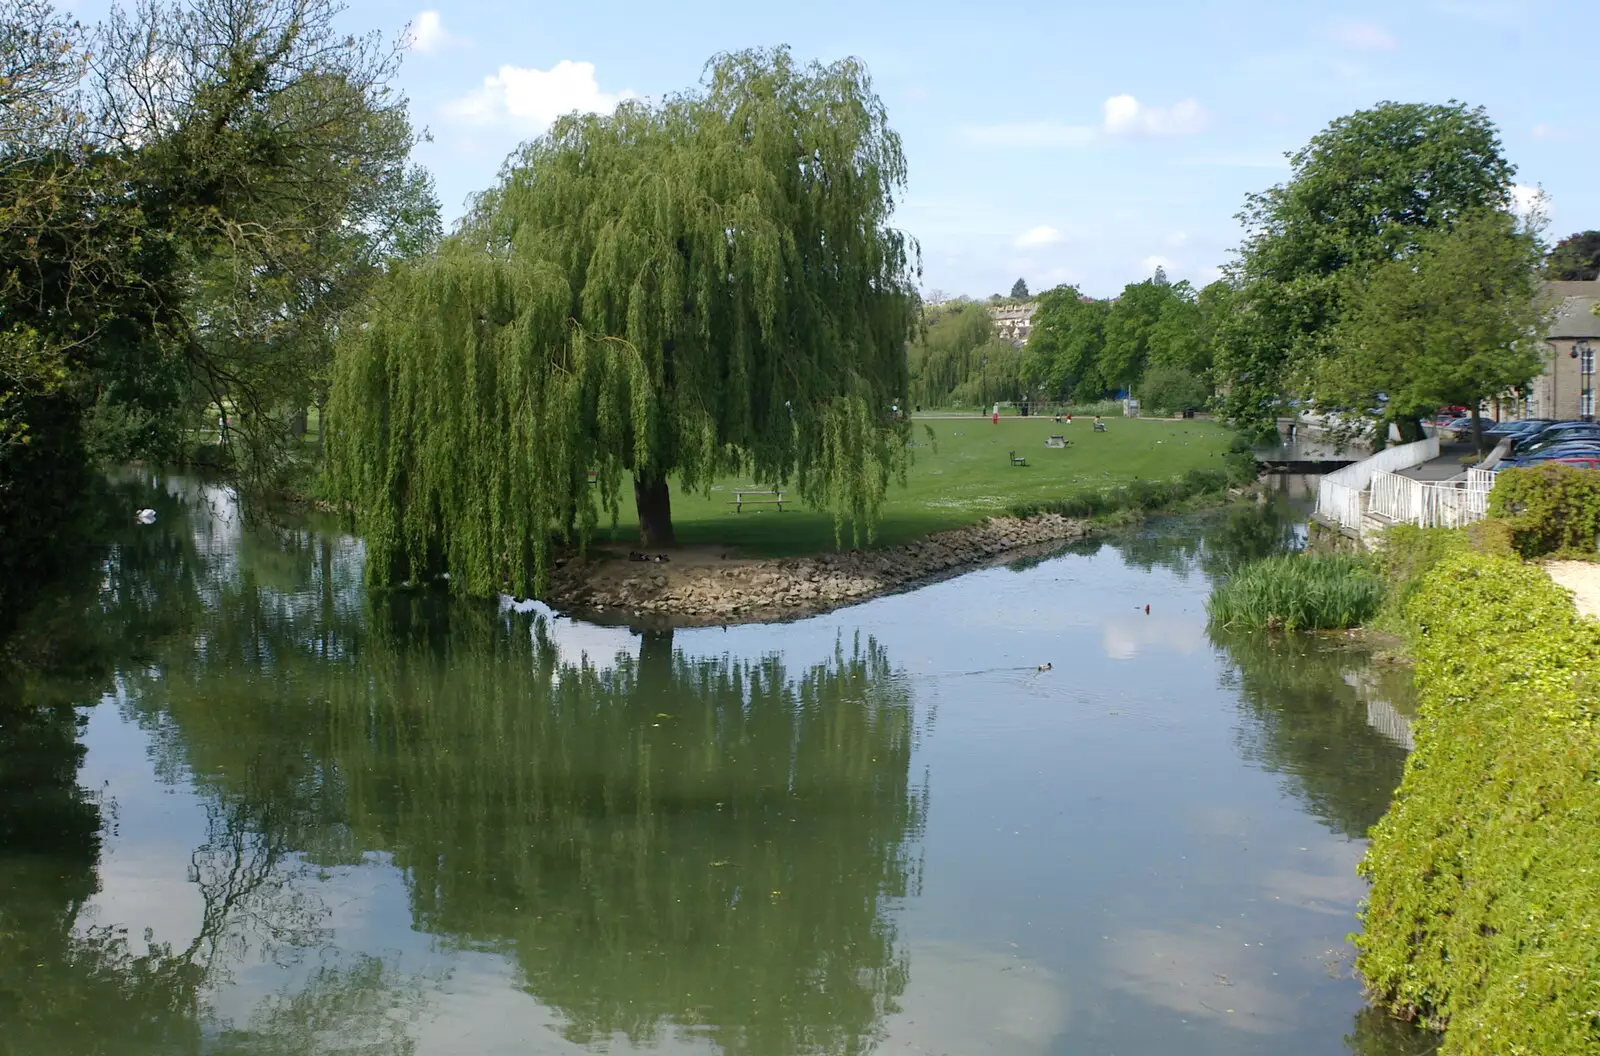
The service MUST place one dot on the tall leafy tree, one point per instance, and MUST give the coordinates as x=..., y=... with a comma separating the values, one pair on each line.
x=1454, y=322
x=1576, y=257
x=1019, y=290
x=699, y=285
x=1135, y=330
x=272, y=151
x=948, y=351
x=1362, y=192
x=1065, y=342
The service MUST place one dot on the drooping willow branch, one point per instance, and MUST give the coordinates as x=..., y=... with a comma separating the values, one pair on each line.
x=698, y=286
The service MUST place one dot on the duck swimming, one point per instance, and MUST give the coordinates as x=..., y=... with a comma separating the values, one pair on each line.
x=1044, y=667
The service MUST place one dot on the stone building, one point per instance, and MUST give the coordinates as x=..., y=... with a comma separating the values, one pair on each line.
x=1012, y=322
x=1566, y=388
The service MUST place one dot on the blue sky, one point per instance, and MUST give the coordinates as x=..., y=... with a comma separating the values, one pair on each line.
x=1062, y=142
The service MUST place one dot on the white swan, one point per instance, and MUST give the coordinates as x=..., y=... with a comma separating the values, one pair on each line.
x=145, y=516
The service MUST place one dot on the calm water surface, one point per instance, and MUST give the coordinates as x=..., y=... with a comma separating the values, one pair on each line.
x=304, y=821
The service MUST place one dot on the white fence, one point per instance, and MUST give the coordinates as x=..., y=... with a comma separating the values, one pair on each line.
x=1430, y=504
x=1339, y=493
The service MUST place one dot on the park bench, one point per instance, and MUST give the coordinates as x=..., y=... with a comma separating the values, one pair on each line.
x=1018, y=460
x=739, y=502
x=1056, y=440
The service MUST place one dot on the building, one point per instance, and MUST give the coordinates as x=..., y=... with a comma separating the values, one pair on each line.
x=1012, y=322
x=1566, y=388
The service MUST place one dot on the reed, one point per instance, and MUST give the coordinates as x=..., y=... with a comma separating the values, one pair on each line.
x=1298, y=592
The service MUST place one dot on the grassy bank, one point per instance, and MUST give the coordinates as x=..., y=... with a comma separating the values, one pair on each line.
x=1484, y=916
x=963, y=475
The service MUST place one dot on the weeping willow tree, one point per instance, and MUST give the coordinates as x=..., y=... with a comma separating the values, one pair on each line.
x=700, y=285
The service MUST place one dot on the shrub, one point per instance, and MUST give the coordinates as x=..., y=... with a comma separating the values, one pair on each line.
x=1409, y=553
x=1550, y=508
x=1484, y=914
x=1297, y=592
x=1167, y=390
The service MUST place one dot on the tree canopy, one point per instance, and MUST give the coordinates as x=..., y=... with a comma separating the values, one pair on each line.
x=1454, y=322
x=1362, y=192
x=1019, y=290
x=1085, y=350
x=192, y=195
x=957, y=360
x=1575, y=258
x=699, y=285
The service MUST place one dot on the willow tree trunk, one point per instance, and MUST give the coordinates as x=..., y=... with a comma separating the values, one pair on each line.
x=654, y=504
x=655, y=659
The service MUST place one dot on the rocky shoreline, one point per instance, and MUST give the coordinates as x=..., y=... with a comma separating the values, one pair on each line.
x=720, y=590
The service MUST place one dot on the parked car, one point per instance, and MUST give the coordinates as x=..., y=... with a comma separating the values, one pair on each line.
x=1579, y=459
x=1494, y=431
x=1558, y=431
x=1568, y=453
x=1563, y=440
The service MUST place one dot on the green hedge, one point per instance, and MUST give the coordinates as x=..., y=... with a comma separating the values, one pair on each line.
x=1550, y=509
x=1484, y=914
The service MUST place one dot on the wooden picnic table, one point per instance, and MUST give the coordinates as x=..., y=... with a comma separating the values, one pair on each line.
x=739, y=502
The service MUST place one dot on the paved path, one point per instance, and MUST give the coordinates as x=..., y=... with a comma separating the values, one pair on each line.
x=1446, y=466
x=1583, y=579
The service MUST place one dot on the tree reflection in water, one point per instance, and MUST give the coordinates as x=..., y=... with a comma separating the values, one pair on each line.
x=709, y=846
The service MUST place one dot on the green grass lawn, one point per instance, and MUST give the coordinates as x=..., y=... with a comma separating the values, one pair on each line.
x=961, y=477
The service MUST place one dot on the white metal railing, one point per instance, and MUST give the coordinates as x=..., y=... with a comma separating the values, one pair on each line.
x=1339, y=503
x=1339, y=492
x=1430, y=504
x=1448, y=506
x=1395, y=497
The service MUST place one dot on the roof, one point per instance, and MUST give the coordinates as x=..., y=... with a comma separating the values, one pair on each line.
x=1575, y=313
x=1019, y=311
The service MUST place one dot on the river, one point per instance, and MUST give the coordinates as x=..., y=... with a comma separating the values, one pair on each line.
x=250, y=809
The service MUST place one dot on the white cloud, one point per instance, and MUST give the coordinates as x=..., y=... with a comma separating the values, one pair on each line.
x=1544, y=132
x=1362, y=36
x=1154, y=261
x=1530, y=203
x=1043, y=235
x=1126, y=116
x=533, y=99
x=1022, y=134
x=428, y=35
x=1176, y=239
x=1123, y=116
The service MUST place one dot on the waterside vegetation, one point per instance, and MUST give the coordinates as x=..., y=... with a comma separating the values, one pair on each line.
x=1481, y=922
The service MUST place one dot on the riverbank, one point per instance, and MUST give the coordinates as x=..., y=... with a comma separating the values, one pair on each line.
x=1481, y=920
x=706, y=585
x=700, y=585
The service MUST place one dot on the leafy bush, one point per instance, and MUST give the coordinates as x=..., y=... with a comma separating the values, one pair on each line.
x=1484, y=915
x=1167, y=390
x=1297, y=592
x=1408, y=554
x=1550, y=508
